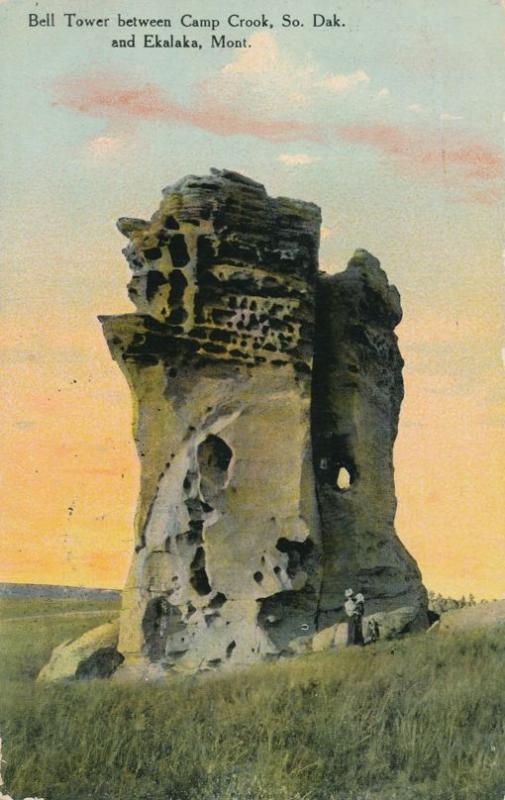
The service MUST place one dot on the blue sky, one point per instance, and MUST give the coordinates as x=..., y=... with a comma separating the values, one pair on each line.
x=392, y=124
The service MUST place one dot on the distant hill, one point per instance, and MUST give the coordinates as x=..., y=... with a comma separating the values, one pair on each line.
x=61, y=592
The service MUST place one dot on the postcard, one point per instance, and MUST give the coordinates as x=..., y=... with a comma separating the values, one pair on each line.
x=253, y=523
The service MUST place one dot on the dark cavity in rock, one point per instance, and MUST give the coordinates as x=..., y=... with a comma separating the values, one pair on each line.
x=101, y=664
x=161, y=620
x=199, y=579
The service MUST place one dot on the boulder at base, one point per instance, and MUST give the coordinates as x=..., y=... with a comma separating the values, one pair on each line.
x=92, y=655
x=331, y=638
x=484, y=615
x=392, y=624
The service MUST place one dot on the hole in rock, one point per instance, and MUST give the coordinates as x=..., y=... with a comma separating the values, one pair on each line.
x=178, y=283
x=231, y=647
x=152, y=253
x=258, y=576
x=218, y=601
x=334, y=458
x=178, y=250
x=297, y=552
x=195, y=532
x=171, y=223
x=196, y=509
x=281, y=615
x=161, y=620
x=205, y=255
x=154, y=280
x=199, y=579
x=177, y=316
x=214, y=458
x=343, y=479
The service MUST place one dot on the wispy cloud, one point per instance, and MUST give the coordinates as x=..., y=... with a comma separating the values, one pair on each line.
x=264, y=94
x=343, y=83
x=102, y=146
x=297, y=159
x=426, y=150
x=271, y=79
x=109, y=98
x=416, y=108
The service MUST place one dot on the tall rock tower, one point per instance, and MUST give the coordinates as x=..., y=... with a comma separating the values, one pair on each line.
x=228, y=553
x=266, y=399
x=357, y=390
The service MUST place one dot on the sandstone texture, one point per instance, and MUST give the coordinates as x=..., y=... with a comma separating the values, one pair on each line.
x=357, y=390
x=484, y=615
x=92, y=655
x=392, y=625
x=266, y=399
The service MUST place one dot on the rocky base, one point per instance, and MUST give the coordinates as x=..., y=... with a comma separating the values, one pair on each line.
x=92, y=655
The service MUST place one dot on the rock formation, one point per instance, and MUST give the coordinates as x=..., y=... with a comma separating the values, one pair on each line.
x=357, y=389
x=266, y=399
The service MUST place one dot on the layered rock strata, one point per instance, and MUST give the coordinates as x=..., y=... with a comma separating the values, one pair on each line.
x=227, y=564
x=266, y=399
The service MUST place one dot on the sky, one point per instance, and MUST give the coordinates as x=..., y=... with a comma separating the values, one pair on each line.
x=392, y=123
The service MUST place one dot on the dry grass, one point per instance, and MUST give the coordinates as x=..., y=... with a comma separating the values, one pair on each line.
x=420, y=719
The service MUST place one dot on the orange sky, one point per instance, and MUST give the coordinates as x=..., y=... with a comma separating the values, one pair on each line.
x=400, y=146
x=71, y=485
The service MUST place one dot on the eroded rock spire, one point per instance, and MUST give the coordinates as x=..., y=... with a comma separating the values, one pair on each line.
x=266, y=400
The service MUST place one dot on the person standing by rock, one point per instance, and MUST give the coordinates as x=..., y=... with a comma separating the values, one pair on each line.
x=354, y=607
x=359, y=603
x=373, y=632
x=350, y=610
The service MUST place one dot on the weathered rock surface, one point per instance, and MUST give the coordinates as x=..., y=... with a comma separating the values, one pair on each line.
x=391, y=625
x=356, y=395
x=266, y=488
x=483, y=615
x=331, y=637
x=92, y=655
x=228, y=552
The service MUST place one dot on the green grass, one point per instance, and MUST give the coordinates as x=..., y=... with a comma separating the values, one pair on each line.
x=419, y=719
x=26, y=606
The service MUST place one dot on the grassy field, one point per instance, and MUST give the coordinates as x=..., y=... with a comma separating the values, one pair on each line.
x=420, y=719
x=28, y=606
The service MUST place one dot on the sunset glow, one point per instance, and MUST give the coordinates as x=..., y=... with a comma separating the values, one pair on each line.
x=399, y=146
